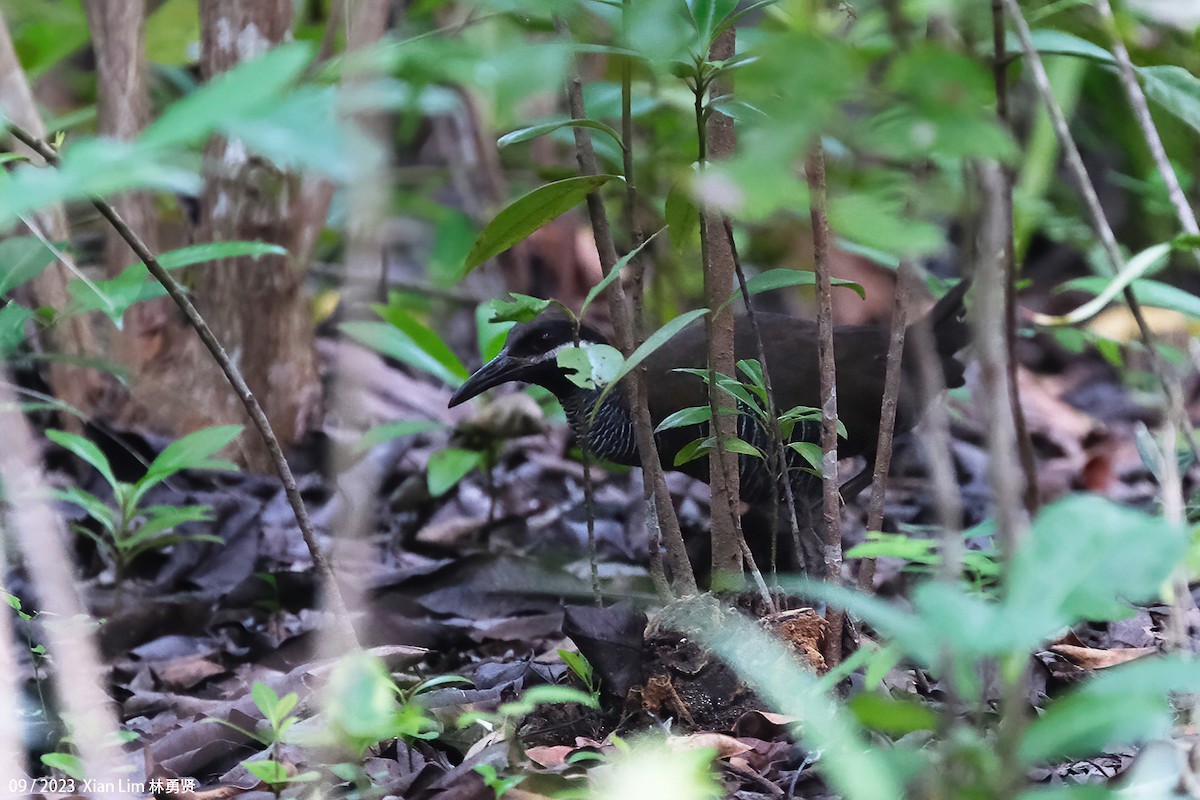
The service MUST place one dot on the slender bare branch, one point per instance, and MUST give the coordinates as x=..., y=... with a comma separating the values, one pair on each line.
x=1141, y=112
x=1000, y=62
x=887, y=413
x=831, y=511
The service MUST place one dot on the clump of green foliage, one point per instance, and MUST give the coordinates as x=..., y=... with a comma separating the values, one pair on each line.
x=129, y=529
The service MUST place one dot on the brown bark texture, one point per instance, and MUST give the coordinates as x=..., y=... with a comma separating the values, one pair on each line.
x=256, y=307
x=80, y=387
x=718, y=284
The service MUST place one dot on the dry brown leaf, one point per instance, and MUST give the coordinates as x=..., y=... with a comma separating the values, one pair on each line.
x=1095, y=658
x=725, y=746
x=550, y=755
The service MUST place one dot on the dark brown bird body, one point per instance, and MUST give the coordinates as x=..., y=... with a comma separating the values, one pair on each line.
x=791, y=351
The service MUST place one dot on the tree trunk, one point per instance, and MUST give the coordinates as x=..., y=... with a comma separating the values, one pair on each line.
x=79, y=387
x=727, y=567
x=256, y=307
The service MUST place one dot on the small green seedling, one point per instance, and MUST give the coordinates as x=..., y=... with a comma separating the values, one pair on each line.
x=131, y=529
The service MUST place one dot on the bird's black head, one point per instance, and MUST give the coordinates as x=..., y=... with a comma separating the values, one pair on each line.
x=530, y=356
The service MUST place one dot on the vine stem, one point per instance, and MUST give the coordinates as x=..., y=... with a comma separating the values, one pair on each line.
x=232, y=374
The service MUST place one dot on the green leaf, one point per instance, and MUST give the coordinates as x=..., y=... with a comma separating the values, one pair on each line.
x=213, y=251
x=65, y=763
x=683, y=218
x=395, y=430
x=1087, y=558
x=269, y=772
x=522, y=308
x=594, y=365
x=96, y=508
x=162, y=519
x=708, y=14
x=542, y=128
x=693, y=415
x=244, y=90
x=1148, y=292
x=194, y=451
x=427, y=340
x=448, y=466
x=735, y=445
x=578, y=664
x=810, y=452
x=615, y=272
x=84, y=449
x=1056, y=42
x=392, y=341
x=1176, y=90
x=893, y=717
x=489, y=334
x=1116, y=707
x=526, y=214
x=652, y=343
x=1137, y=266
x=693, y=450
x=13, y=318
x=22, y=258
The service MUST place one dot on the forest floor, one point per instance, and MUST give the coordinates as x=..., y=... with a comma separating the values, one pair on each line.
x=492, y=580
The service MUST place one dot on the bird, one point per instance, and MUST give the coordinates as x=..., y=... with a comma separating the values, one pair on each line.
x=790, y=345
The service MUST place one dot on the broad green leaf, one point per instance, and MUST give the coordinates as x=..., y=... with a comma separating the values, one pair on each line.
x=892, y=716
x=133, y=284
x=1087, y=558
x=652, y=343
x=66, y=763
x=96, y=508
x=91, y=167
x=13, y=317
x=1137, y=266
x=615, y=272
x=448, y=466
x=1176, y=90
x=84, y=449
x=1116, y=707
x=782, y=277
x=683, y=218
x=735, y=445
x=810, y=452
x=522, y=308
x=265, y=698
x=694, y=415
x=489, y=334
x=693, y=450
x=391, y=341
x=425, y=338
x=1056, y=42
x=541, y=129
x=360, y=700
x=269, y=772
x=161, y=519
x=213, y=251
x=193, y=451
x=395, y=430
x=22, y=258
x=1148, y=292
x=526, y=214
x=244, y=90
x=707, y=15
x=593, y=364
x=114, y=296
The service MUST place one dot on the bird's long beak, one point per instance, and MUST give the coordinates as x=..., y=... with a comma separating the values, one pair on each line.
x=501, y=369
